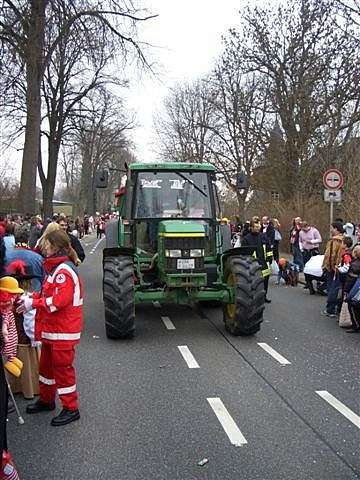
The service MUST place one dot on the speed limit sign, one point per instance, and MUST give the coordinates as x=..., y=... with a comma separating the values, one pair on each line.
x=333, y=179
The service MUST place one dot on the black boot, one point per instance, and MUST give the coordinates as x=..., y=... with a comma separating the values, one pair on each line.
x=65, y=417
x=40, y=406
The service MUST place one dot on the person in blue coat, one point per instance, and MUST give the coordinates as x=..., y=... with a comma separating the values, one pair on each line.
x=33, y=262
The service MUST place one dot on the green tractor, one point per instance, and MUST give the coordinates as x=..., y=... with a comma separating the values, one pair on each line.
x=169, y=246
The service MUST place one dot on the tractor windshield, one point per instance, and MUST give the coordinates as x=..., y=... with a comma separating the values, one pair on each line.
x=169, y=194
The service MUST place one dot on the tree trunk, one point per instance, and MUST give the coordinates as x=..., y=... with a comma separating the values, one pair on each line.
x=49, y=184
x=34, y=73
x=241, y=204
x=86, y=183
x=93, y=200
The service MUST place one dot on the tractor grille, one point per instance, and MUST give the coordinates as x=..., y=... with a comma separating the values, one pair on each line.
x=185, y=244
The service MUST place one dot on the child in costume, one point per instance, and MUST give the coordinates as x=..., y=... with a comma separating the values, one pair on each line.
x=9, y=292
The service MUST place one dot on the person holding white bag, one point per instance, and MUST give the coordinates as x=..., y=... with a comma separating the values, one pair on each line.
x=313, y=271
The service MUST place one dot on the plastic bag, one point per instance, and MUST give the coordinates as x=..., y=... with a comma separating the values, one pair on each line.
x=314, y=266
x=274, y=267
x=345, y=318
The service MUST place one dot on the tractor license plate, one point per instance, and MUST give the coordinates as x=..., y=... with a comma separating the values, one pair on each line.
x=186, y=263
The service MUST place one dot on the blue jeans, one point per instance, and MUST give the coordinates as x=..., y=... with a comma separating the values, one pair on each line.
x=333, y=287
x=298, y=257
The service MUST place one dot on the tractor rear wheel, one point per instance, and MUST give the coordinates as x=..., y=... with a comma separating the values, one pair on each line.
x=119, y=297
x=244, y=316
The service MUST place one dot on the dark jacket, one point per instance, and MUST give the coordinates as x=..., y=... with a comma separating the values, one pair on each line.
x=270, y=234
x=294, y=238
x=259, y=240
x=76, y=245
x=352, y=275
x=35, y=234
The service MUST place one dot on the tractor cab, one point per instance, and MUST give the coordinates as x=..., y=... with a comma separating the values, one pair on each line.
x=182, y=198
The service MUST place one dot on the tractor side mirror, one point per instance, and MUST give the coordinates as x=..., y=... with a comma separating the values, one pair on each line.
x=101, y=179
x=241, y=181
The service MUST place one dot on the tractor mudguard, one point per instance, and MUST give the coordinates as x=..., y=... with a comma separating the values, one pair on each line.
x=112, y=234
x=235, y=252
x=117, y=251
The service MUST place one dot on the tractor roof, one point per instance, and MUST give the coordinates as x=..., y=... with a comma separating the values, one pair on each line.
x=203, y=167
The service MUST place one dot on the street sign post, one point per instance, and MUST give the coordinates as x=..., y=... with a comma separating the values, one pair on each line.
x=332, y=196
x=333, y=181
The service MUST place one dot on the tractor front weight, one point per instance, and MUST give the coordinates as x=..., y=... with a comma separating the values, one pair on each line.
x=182, y=296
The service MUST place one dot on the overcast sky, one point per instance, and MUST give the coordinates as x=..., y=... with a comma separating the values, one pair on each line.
x=187, y=35
x=186, y=39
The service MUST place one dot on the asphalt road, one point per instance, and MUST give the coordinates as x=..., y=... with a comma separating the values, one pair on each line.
x=151, y=410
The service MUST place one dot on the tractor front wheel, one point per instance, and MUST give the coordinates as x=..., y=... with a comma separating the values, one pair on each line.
x=244, y=316
x=119, y=297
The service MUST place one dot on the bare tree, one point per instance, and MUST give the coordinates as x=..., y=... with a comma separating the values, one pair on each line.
x=77, y=66
x=23, y=30
x=9, y=187
x=182, y=127
x=100, y=129
x=220, y=119
x=312, y=69
x=70, y=166
x=240, y=124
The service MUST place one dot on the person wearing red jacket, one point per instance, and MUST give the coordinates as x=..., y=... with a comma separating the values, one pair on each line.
x=58, y=326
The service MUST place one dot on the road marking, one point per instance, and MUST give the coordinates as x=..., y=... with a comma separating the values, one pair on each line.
x=227, y=422
x=188, y=356
x=340, y=407
x=156, y=304
x=96, y=245
x=168, y=323
x=274, y=354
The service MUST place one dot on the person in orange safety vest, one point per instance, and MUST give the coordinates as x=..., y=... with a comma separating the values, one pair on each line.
x=58, y=326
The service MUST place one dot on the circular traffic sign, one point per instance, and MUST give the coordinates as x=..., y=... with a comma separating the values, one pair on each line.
x=333, y=179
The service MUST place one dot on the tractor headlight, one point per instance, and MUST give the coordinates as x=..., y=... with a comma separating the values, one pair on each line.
x=196, y=252
x=173, y=253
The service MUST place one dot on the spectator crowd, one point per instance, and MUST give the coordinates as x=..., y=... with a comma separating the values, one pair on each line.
x=336, y=272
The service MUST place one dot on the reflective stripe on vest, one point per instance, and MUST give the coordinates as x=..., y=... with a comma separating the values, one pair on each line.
x=65, y=390
x=265, y=271
x=60, y=336
x=77, y=301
